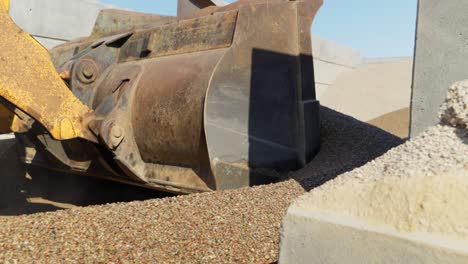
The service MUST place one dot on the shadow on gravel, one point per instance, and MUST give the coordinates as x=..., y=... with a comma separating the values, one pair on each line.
x=462, y=133
x=346, y=144
x=33, y=190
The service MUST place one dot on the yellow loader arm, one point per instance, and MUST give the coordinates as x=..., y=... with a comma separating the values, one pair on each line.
x=6, y=4
x=30, y=84
x=6, y=116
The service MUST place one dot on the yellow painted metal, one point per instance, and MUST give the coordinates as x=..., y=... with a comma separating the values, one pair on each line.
x=29, y=81
x=6, y=4
x=6, y=116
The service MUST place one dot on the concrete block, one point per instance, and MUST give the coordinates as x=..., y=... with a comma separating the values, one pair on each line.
x=441, y=57
x=366, y=218
x=320, y=89
x=329, y=51
x=324, y=237
x=382, y=60
x=370, y=90
x=330, y=61
x=49, y=43
x=327, y=72
x=56, y=19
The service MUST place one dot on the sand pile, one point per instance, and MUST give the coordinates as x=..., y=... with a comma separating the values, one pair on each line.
x=396, y=122
x=419, y=186
x=239, y=226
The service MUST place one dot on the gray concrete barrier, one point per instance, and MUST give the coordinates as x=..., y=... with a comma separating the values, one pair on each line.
x=324, y=237
x=52, y=22
x=391, y=219
x=330, y=61
x=441, y=57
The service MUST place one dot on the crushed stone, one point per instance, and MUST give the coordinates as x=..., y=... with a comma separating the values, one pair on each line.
x=238, y=226
x=419, y=186
x=454, y=110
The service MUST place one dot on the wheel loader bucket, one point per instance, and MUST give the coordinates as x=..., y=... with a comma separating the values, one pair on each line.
x=219, y=98
x=260, y=109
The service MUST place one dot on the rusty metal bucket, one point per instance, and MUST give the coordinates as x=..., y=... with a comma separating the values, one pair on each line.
x=221, y=98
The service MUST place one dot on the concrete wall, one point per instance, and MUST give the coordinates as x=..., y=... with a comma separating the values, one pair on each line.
x=53, y=22
x=372, y=89
x=441, y=57
x=326, y=238
x=330, y=61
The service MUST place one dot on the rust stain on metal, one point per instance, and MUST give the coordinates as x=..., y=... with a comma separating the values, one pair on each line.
x=186, y=36
x=210, y=32
x=65, y=75
x=29, y=81
x=6, y=117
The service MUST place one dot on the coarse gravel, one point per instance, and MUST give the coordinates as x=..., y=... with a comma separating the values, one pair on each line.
x=420, y=186
x=238, y=226
x=454, y=110
x=346, y=144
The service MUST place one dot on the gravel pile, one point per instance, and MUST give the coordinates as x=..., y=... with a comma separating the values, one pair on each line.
x=419, y=186
x=442, y=148
x=239, y=226
x=346, y=144
x=236, y=226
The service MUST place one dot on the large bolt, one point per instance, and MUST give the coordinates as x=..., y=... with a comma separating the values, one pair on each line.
x=87, y=71
x=117, y=131
x=116, y=135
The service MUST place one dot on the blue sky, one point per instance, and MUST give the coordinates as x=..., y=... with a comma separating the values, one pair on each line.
x=377, y=28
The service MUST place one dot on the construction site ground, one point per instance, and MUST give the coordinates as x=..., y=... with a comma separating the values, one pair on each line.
x=33, y=190
x=232, y=226
x=109, y=222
